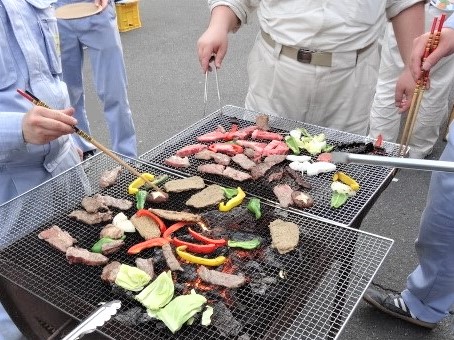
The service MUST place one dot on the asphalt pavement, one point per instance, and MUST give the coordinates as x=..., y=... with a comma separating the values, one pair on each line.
x=166, y=93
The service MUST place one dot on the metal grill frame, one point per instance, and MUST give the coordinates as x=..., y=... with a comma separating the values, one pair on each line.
x=326, y=275
x=372, y=179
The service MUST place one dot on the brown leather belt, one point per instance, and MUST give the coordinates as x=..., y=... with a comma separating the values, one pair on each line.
x=307, y=56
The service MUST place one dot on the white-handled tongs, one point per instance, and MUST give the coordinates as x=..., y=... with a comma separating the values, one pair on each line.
x=96, y=319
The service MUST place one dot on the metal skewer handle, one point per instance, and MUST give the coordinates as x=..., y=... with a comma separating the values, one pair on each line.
x=405, y=163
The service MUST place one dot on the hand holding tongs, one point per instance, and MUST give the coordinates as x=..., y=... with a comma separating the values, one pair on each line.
x=205, y=96
x=96, y=319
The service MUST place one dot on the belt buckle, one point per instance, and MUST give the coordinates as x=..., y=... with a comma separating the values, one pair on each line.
x=304, y=56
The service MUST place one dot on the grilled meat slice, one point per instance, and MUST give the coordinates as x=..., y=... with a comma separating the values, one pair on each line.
x=274, y=148
x=177, y=161
x=190, y=150
x=211, y=195
x=87, y=218
x=221, y=279
x=211, y=168
x=119, y=203
x=146, y=265
x=284, y=235
x=236, y=174
x=94, y=204
x=110, y=271
x=276, y=176
x=184, y=184
x=80, y=255
x=298, y=177
x=243, y=161
x=176, y=215
x=262, y=122
x=274, y=159
x=259, y=170
x=112, y=247
x=112, y=232
x=267, y=135
x=206, y=155
x=146, y=227
x=170, y=258
x=109, y=177
x=283, y=193
x=221, y=158
x=57, y=238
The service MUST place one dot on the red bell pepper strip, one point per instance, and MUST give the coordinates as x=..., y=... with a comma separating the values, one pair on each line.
x=199, y=237
x=193, y=247
x=157, y=219
x=174, y=227
x=152, y=242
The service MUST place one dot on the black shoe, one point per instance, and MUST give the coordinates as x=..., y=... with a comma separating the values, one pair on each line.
x=88, y=154
x=394, y=305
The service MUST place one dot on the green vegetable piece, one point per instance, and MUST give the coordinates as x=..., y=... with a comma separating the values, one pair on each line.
x=97, y=247
x=292, y=143
x=158, y=293
x=160, y=179
x=338, y=199
x=206, y=316
x=131, y=278
x=141, y=196
x=180, y=310
x=251, y=244
x=230, y=192
x=254, y=207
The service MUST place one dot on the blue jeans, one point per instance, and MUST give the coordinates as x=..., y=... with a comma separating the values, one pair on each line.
x=430, y=288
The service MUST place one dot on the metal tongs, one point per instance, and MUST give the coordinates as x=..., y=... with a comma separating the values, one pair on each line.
x=96, y=319
x=205, y=96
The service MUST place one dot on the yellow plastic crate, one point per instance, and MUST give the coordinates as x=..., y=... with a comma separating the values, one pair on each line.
x=128, y=16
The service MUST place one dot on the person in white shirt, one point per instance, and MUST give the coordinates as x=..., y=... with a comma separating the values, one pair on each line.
x=313, y=61
x=437, y=102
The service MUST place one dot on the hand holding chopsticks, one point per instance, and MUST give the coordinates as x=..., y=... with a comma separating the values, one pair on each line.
x=431, y=45
x=28, y=95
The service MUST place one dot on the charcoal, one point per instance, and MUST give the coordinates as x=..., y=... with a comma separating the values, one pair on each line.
x=224, y=321
x=133, y=317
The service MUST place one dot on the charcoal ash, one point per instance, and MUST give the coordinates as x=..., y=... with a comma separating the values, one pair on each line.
x=259, y=282
x=224, y=321
x=133, y=317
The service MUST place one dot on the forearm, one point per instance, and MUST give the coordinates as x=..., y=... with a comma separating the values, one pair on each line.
x=408, y=25
x=223, y=18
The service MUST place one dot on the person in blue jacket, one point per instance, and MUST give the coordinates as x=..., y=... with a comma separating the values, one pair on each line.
x=429, y=293
x=35, y=142
x=99, y=34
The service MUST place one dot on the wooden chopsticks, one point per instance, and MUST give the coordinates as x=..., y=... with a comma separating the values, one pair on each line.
x=421, y=83
x=29, y=96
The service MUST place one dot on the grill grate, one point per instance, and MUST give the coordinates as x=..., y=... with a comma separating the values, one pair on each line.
x=372, y=179
x=325, y=276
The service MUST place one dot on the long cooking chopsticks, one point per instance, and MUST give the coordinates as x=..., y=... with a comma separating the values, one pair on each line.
x=421, y=83
x=35, y=100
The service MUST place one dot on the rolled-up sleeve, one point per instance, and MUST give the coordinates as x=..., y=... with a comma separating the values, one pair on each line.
x=394, y=7
x=242, y=9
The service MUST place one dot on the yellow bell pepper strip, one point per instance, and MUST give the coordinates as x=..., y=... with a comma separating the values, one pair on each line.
x=344, y=178
x=217, y=261
x=152, y=242
x=233, y=202
x=135, y=185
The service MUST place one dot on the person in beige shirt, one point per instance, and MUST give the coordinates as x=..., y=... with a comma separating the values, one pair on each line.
x=314, y=61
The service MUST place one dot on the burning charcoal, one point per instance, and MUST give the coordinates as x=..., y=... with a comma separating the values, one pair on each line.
x=224, y=321
x=189, y=273
x=133, y=317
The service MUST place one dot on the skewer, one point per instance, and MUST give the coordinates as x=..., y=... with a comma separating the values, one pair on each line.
x=29, y=96
x=419, y=90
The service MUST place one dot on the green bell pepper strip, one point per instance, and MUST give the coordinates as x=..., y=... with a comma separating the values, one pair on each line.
x=254, y=207
x=160, y=179
x=230, y=192
x=251, y=244
x=141, y=196
x=233, y=202
x=338, y=199
x=97, y=247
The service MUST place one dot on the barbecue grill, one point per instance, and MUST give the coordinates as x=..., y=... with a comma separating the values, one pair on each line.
x=310, y=294
x=372, y=179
